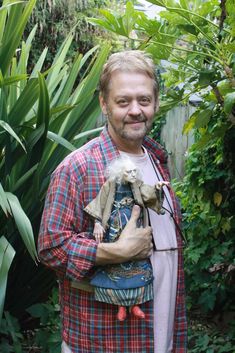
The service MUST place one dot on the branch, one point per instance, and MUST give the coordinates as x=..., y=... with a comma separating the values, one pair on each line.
x=222, y=17
x=218, y=95
x=190, y=51
x=188, y=12
x=229, y=73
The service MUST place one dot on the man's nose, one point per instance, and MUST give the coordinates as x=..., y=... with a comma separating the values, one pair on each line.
x=134, y=108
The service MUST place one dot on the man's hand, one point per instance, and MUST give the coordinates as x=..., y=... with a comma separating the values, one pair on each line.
x=133, y=244
x=136, y=243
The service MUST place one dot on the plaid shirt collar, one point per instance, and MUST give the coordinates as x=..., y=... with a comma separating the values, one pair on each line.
x=110, y=151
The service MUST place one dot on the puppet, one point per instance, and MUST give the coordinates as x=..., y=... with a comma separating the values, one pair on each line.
x=131, y=283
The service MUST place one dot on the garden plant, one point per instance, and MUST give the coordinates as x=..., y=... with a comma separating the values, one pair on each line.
x=44, y=116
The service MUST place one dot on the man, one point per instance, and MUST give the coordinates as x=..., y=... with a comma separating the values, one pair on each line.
x=129, y=100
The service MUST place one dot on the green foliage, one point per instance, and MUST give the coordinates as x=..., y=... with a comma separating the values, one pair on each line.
x=11, y=337
x=43, y=118
x=206, y=338
x=207, y=195
x=122, y=25
x=55, y=20
x=47, y=336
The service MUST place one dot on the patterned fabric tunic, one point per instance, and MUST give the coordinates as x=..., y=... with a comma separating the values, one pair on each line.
x=66, y=245
x=128, y=283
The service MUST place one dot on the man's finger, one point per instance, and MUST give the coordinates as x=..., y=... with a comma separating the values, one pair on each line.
x=134, y=214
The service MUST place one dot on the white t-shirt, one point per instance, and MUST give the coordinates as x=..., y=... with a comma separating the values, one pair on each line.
x=165, y=263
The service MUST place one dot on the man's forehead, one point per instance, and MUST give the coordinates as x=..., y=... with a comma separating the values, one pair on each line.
x=125, y=76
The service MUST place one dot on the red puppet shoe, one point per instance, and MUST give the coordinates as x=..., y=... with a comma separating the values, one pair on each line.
x=136, y=311
x=121, y=315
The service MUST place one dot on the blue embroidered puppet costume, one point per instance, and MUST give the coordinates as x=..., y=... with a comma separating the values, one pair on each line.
x=131, y=283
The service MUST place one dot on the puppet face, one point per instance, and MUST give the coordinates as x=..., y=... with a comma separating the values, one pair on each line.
x=130, y=175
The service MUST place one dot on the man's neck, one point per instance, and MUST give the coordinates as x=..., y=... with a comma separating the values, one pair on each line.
x=131, y=149
x=128, y=146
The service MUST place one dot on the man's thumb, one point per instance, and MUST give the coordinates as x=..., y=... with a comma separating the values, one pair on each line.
x=135, y=214
x=131, y=224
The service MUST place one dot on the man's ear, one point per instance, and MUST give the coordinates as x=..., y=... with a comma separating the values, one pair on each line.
x=103, y=105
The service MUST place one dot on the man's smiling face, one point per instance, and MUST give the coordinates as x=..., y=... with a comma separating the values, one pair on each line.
x=129, y=107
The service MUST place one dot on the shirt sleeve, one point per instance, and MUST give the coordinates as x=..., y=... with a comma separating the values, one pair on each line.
x=63, y=244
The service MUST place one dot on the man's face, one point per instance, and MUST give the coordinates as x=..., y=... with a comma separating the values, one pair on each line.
x=130, y=175
x=129, y=107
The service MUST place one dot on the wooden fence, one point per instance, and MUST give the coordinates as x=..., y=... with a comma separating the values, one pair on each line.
x=175, y=142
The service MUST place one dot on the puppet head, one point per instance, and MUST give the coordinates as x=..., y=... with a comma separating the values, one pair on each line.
x=123, y=171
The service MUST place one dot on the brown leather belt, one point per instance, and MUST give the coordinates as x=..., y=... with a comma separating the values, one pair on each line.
x=83, y=285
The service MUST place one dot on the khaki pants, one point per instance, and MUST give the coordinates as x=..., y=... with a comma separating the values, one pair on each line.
x=65, y=348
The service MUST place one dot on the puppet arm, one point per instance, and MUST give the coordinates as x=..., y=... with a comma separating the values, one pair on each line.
x=96, y=207
x=98, y=231
x=159, y=185
x=153, y=196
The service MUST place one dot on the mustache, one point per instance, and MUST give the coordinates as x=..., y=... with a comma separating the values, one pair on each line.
x=137, y=119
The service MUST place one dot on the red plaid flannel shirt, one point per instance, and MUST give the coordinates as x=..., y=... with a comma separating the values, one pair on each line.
x=66, y=245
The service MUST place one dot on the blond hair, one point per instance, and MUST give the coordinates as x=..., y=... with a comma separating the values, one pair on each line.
x=127, y=61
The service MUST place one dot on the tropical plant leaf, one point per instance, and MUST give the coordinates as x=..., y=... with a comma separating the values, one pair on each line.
x=190, y=123
x=7, y=81
x=229, y=102
x=22, y=180
x=5, y=7
x=73, y=122
x=43, y=115
x=42, y=124
x=88, y=54
x=112, y=22
x=7, y=254
x=25, y=50
x=24, y=103
x=23, y=224
x=158, y=2
x=88, y=133
x=18, y=18
x=38, y=66
x=68, y=84
x=60, y=140
x=58, y=63
x=7, y=128
x=129, y=18
x=3, y=201
x=203, y=118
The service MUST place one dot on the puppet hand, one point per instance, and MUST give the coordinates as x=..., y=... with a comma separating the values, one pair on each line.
x=98, y=232
x=159, y=185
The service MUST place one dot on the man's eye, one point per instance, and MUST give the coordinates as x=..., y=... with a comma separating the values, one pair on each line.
x=145, y=101
x=122, y=102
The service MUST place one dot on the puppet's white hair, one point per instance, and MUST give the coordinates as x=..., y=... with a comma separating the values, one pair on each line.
x=118, y=166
